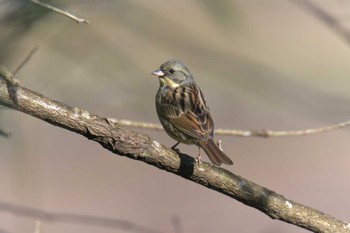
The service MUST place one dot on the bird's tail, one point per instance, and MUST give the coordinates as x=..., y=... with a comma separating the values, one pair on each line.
x=216, y=156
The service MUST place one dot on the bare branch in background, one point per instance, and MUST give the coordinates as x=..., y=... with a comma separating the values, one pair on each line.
x=44, y=216
x=26, y=59
x=62, y=12
x=240, y=133
x=141, y=147
x=136, y=124
x=331, y=21
x=11, y=83
x=10, y=80
x=4, y=133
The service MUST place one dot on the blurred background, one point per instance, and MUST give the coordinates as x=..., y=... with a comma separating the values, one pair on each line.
x=269, y=64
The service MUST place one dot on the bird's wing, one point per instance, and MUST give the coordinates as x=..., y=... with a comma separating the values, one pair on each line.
x=192, y=117
x=198, y=127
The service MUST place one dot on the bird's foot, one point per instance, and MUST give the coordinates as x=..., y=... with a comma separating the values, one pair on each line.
x=177, y=150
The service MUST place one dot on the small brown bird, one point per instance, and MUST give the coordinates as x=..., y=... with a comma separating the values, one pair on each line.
x=183, y=112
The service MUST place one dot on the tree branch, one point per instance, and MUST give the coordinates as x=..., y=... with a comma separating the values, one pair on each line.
x=82, y=219
x=325, y=17
x=240, y=133
x=62, y=12
x=26, y=59
x=5, y=134
x=11, y=83
x=137, y=146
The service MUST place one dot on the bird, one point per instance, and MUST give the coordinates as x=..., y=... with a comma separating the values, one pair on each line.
x=183, y=111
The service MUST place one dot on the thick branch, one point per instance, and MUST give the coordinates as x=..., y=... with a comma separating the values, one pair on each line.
x=141, y=147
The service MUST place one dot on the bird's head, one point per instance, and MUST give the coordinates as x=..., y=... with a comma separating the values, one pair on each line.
x=173, y=74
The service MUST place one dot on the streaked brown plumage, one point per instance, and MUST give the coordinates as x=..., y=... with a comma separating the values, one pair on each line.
x=183, y=112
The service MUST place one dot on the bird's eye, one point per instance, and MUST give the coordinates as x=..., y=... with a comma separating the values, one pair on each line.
x=171, y=71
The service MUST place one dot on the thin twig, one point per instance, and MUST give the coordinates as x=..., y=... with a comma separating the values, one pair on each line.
x=8, y=77
x=136, y=124
x=62, y=12
x=325, y=17
x=4, y=133
x=26, y=59
x=11, y=82
x=240, y=133
x=72, y=218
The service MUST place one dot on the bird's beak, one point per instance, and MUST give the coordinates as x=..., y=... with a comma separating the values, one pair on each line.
x=158, y=73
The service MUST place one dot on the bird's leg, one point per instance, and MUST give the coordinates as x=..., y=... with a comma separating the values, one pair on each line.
x=199, y=160
x=199, y=157
x=218, y=143
x=176, y=149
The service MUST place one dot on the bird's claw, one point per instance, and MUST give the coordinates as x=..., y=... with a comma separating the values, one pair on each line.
x=177, y=150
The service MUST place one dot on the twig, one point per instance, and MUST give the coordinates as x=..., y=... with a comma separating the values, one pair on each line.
x=328, y=19
x=240, y=133
x=271, y=133
x=51, y=217
x=11, y=82
x=26, y=59
x=62, y=12
x=141, y=147
x=8, y=77
x=136, y=124
x=4, y=133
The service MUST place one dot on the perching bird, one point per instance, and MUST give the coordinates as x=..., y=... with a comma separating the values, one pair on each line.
x=183, y=112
